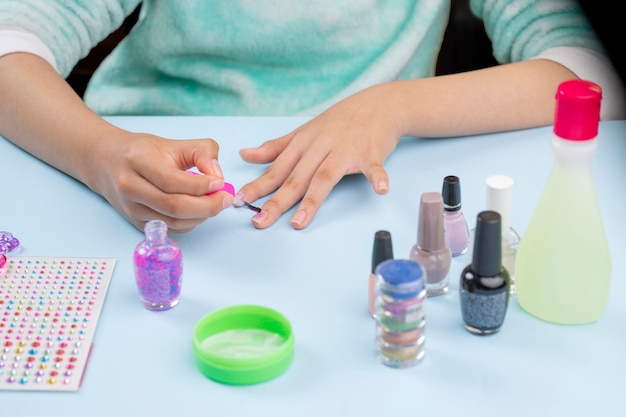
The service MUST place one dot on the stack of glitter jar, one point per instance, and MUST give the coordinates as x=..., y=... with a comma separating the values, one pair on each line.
x=399, y=312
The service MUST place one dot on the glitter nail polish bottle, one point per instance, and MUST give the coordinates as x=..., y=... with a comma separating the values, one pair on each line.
x=158, y=263
x=431, y=251
x=400, y=316
x=455, y=225
x=383, y=250
x=485, y=284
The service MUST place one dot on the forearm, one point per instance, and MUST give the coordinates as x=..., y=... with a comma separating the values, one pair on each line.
x=40, y=113
x=505, y=97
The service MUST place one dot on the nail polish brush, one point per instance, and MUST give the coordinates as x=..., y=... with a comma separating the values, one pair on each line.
x=228, y=187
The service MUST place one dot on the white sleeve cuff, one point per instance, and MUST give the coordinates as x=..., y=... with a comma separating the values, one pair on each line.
x=14, y=39
x=593, y=66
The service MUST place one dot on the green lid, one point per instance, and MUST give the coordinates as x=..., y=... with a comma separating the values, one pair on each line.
x=241, y=345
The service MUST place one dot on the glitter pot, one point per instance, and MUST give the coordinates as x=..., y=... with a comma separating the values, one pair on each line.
x=400, y=313
x=401, y=338
x=243, y=345
x=400, y=356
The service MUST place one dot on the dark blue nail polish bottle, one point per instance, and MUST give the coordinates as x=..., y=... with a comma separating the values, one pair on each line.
x=485, y=283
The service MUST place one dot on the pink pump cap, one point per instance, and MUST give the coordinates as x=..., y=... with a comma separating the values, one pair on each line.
x=577, y=111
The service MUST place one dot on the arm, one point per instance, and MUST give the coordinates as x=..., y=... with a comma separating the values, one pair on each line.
x=141, y=175
x=357, y=134
x=539, y=44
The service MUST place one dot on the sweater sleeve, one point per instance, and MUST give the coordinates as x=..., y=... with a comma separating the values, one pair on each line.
x=597, y=67
x=523, y=29
x=19, y=40
x=552, y=29
x=69, y=29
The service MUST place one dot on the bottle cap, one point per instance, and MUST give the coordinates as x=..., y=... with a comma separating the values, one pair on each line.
x=383, y=249
x=577, y=111
x=487, y=255
x=401, y=278
x=451, y=193
x=242, y=357
x=430, y=231
x=499, y=191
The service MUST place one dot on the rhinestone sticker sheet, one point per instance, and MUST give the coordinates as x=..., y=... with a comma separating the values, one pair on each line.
x=49, y=311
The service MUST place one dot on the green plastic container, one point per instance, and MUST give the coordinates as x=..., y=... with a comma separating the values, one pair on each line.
x=226, y=364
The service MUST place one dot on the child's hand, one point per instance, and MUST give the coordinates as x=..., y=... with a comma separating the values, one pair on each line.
x=144, y=177
x=354, y=136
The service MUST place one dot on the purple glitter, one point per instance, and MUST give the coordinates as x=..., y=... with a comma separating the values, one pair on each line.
x=8, y=242
x=158, y=269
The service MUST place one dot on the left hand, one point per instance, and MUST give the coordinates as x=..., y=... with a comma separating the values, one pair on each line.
x=354, y=136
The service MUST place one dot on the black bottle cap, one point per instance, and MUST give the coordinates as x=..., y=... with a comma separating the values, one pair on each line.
x=451, y=193
x=487, y=255
x=383, y=248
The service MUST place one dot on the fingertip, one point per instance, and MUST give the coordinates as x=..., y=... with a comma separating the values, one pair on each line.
x=261, y=220
x=381, y=187
x=227, y=201
x=377, y=176
x=217, y=186
x=217, y=169
x=299, y=219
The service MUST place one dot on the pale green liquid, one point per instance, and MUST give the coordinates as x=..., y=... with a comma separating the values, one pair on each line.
x=563, y=266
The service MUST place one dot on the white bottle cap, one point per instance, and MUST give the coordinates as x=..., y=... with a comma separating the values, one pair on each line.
x=499, y=196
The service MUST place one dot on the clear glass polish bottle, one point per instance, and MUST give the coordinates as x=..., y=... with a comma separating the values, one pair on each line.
x=484, y=286
x=499, y=199
x=158, y=264
x=430, y=250
x=455, y=225
x=563, y=265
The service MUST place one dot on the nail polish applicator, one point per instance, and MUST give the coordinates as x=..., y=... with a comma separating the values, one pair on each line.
x=230, y=189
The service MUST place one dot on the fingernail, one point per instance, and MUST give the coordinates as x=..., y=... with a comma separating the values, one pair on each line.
x=298, y=218
x=240, y=195
x=215, y=185
x=382, y=186
x=216, y=168
x=228, y=201
x=260, y=217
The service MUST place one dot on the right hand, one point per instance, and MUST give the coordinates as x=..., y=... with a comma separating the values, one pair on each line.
x=144, y=177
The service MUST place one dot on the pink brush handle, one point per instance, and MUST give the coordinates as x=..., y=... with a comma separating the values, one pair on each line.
x=228, y=187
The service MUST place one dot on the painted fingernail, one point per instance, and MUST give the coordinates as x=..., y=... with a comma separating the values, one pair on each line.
x=216, y=168
x=298, y=218
x=260, y=216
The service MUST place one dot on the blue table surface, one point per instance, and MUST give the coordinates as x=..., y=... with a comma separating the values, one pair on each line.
x=142, y=362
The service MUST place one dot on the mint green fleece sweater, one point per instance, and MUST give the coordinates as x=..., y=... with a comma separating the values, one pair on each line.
x=273, y=57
